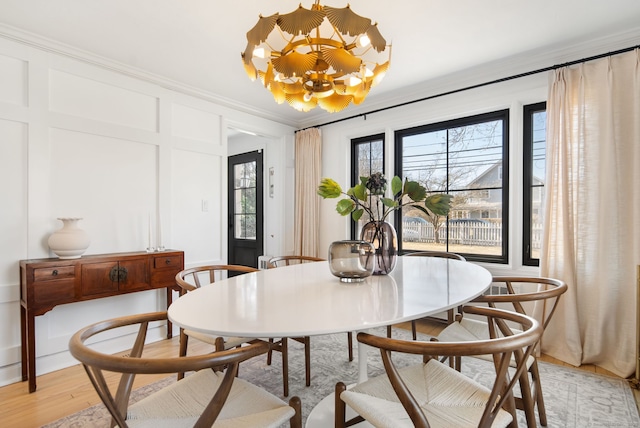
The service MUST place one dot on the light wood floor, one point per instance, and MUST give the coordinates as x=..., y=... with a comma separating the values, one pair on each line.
x=68, y=391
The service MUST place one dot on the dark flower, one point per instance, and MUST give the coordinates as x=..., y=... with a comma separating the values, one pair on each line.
x=376, y=183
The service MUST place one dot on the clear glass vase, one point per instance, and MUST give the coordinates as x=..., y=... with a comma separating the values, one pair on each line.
x=351, y=261
x=382, y=236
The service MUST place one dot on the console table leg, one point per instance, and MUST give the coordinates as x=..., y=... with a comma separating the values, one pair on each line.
x=169, y=301
x=29, y=350
x=23, y=342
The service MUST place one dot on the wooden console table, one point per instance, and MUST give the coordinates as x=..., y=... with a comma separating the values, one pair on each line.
x=46, y=283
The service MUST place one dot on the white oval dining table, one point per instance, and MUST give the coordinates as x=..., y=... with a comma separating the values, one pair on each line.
x=307, y=300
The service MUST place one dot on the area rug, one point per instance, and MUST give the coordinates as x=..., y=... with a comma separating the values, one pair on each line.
x=573, y=398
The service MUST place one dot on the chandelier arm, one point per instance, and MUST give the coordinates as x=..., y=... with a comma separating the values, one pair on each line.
x=313, y=41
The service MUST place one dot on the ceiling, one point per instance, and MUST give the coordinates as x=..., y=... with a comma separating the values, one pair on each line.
x=195, y=45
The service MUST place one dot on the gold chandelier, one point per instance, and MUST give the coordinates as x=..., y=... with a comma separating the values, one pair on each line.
x=322, y=56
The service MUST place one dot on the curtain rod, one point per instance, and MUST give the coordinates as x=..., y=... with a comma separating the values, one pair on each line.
x=479, y=85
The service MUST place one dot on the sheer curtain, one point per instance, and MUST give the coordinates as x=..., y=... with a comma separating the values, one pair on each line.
x=308, y=155
x=592, y=211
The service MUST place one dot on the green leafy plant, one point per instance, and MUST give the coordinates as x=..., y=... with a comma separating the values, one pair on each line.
x=369, y=197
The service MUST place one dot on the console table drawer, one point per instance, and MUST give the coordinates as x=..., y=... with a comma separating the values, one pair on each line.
x=58, y=291
x=168, y=262
x=164, y=278
x=53, y=273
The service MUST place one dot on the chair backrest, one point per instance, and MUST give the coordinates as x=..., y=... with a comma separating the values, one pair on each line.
x=503, y=343
x=190, y=279
x=95, y=363
x=279, y=261
x=443, y=254
x=515, y=292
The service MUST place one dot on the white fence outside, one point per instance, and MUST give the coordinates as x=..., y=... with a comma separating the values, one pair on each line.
x=465, y=233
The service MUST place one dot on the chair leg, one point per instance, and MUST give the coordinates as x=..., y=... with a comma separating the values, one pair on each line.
x=307, y=359
x=537, y=392
x=296, y=420
x=285, y=365
x=389, y=331
x=270, y=352
x=340, y=406
x=526, y=403
x=220, y=346
x=183, y=349
x=456, y=362
x=413, y=330
x=350, y=345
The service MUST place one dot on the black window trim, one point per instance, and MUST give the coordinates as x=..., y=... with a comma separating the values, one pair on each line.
x=527, y=179
x=354, y=178
x=467, y=120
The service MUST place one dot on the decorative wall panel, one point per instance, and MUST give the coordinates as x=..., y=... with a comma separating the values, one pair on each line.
x=91, y=99
x=195, y=124
x=198, y=204
x=110, y=183
x=13, y=81
x=13, y=214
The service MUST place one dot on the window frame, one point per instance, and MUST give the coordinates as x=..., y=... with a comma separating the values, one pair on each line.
x=527, y=179
x=453, y=123
x=355, y=179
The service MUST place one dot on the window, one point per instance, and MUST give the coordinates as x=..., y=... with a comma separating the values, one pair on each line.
x=466, y=158
x=534, y=171
x=367, y=157
x=244, y=188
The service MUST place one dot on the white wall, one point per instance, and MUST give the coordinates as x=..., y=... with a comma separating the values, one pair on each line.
x=509, y=95
x=78, y=139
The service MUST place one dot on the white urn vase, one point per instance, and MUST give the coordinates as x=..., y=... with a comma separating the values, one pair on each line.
x=69, y=242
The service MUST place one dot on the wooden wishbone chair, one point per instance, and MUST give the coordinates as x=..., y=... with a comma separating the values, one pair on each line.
x=433, y=394
x=195, y=277
x=280, y=261
x=199, y=400
x=536, y=297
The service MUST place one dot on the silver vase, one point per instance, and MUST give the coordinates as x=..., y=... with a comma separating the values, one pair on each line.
x=351, y=261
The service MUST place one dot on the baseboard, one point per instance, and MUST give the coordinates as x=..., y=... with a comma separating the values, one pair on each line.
x=49, y=363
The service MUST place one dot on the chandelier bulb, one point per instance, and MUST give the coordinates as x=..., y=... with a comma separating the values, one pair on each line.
x=364, y=41
x=354, y=81
x=261, y=53
x=307, y=97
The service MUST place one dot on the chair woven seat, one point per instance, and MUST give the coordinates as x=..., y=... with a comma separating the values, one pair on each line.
x=468, y=329
x=180, y=405
x=431, y=394
x=212, y=396
x=447, y=397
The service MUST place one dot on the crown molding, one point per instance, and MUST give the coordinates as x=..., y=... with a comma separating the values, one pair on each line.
x=524, y=62
x=52, y=46
x=508, y=66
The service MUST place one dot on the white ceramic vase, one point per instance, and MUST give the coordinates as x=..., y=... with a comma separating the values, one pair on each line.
x=69, y=242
